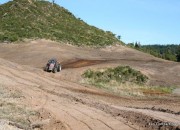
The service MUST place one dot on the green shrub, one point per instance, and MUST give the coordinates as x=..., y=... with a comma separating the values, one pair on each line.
x=120, y=74
x=88, y=74
x=10, y=37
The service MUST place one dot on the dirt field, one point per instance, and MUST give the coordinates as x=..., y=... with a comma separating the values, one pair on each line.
x=65, y=104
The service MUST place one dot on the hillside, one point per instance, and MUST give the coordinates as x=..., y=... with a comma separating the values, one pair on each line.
x=32, y=98
x=30, y=19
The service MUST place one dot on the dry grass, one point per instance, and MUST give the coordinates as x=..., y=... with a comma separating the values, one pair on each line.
x=11, y=111
x=124, y=81
x=129, y=89
x=17, y=114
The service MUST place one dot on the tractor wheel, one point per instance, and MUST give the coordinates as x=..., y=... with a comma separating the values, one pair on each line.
x=46, y=68
x=59, y=68
x=54, y=70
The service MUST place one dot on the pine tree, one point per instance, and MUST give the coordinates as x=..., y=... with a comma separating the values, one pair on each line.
x=119, y=37
x=137, y=45
x=178, y=54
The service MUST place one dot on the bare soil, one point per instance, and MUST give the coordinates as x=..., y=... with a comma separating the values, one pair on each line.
x=66, y=104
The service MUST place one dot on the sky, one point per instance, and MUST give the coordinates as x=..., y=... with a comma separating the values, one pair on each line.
x=144, y=21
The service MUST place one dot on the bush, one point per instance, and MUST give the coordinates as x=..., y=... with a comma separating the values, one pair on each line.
x=8, y=37
x=120, y=74
x=88, y=74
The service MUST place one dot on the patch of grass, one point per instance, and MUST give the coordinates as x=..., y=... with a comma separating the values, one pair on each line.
x=16, y=114
x=152, y=90
x=10, y=110
x=4, y=93
x=124, y=81
x=40, y=19
x=129, y=89
x=15, y=94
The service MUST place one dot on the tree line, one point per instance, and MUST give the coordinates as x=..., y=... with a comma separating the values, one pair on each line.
x=167, y=52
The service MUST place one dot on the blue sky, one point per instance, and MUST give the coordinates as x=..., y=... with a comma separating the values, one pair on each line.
x=145, y=21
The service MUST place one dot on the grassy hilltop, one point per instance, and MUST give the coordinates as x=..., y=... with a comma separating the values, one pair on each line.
x=30, y=19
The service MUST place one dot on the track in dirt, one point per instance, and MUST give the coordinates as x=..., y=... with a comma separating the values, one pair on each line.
x=78, y=63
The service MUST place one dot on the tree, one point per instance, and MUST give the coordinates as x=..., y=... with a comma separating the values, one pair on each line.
x=178, y=54
x=137, y=45
x=178, y=57
x=119, y=37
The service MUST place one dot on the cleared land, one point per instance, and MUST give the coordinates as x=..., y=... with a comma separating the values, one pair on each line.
x=63, y=100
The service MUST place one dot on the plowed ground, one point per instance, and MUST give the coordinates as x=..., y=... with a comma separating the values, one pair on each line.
x=66, y=104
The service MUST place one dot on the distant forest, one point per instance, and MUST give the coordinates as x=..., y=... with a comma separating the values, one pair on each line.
x=168, y=52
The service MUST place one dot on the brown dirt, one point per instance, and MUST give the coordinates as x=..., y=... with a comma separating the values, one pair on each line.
x=68, y=105
x=78, y=63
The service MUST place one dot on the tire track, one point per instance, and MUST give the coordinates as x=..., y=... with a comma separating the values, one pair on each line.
x=86, y=115
x=103, y=121
x=67, y=107
x=68, y=125
x=76, y=119
x=132, y=116
x=30, y=77
x=95, y=119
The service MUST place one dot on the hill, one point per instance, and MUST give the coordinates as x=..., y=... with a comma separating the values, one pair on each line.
x=30, y=19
